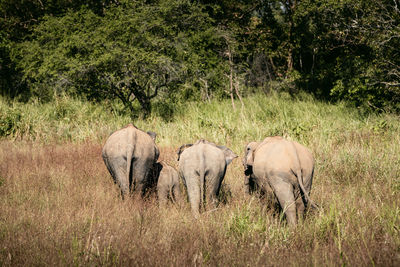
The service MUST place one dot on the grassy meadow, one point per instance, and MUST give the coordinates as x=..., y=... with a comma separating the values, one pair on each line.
x=59, y=205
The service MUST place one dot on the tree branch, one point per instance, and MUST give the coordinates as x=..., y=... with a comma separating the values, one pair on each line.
x=159, y=86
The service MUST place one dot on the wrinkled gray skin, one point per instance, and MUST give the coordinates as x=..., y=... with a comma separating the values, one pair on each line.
x=283, y=168
x=202, y=167
x=167, y=183
x=130, y=155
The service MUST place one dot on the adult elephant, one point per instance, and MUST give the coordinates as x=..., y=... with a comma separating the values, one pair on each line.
x=130, y=155
x=283, y=168
x=202, y=167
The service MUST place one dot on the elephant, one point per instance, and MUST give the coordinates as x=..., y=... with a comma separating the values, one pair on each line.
x=202, y=167
x=130, y=155
x=167, y=183
x=282, y=168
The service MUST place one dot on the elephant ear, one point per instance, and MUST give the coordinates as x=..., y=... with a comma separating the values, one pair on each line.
x=180, y=150
x=229, y=154
x=249, y=154
x=152, y=135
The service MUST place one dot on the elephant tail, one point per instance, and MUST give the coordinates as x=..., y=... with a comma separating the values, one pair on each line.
x=305, y=193
x=129, y=155
x=202, y=180
x=299, y=175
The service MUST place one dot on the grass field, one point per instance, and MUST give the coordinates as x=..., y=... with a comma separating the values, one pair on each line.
x=59, y=205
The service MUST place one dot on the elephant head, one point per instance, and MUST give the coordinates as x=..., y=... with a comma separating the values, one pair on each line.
x=181, y=148
x=248, y=158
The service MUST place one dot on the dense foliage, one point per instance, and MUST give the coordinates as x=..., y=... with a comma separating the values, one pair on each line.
x=148, y=53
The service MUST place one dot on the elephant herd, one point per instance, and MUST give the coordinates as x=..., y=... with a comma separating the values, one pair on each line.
x=277, y=167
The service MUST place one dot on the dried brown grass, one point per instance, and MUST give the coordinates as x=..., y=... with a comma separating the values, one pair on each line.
x=59, y=206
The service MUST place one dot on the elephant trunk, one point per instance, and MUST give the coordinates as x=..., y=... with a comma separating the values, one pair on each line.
x=248, y=170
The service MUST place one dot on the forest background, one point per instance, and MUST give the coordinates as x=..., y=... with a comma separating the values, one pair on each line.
x=157, y=54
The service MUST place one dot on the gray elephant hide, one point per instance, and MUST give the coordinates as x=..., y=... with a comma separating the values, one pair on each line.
x=130, y=155
x=202, y=167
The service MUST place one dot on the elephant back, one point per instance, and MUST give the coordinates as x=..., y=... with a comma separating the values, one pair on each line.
x=130, y=137
x=274, y=154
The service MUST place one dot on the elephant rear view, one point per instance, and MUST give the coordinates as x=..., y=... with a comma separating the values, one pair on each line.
x=202, y=167
x=167, y=183
x=282, y=168
x=130, y=155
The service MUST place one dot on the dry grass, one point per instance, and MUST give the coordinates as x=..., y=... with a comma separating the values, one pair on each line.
x=60, y=207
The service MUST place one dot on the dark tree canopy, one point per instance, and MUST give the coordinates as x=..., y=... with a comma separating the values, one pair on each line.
x=145, y=51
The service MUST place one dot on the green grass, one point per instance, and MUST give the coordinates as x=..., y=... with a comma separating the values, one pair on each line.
x=68, y=119
x=60, y=207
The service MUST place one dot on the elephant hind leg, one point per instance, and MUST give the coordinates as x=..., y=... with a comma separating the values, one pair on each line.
x=176, y=192
x=118, y=172
x=284, y=193
x=193, y=190
x=109, y=168
x=300, y=208
x=140, y=171
x=162, y=196
x=212, y=198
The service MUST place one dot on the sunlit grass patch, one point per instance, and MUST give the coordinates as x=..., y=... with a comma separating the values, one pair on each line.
x=60, y=206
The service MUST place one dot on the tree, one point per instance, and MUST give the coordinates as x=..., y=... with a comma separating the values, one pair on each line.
x=354, y=50
x=146, y=51
x=131, y=52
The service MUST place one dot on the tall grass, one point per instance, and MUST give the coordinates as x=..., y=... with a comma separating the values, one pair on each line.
x=72, y=120
x=60, y=207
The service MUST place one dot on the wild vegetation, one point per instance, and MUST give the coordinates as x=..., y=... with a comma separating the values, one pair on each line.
x=60, y=207
x=145, y=52
x=325, y=73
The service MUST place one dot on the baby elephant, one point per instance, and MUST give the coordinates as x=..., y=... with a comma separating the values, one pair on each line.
x=167, y=183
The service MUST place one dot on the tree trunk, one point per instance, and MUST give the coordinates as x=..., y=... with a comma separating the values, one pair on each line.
x=237, y=90
x=290, y=6
x=146, y=107
x=231, y=78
